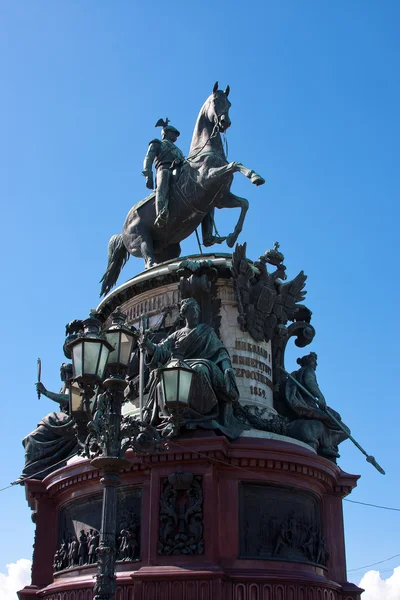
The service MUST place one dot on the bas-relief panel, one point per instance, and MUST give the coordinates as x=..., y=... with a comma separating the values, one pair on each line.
x=80, y=524
x=278, y=524
x=152, y=303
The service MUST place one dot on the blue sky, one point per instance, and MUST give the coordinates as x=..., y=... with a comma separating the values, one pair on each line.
x=315, y=96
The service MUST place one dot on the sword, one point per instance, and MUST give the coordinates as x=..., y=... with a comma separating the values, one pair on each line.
x=369, y=458
x=39, y=374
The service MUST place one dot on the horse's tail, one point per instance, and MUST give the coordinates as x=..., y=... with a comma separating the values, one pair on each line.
x=117, y=257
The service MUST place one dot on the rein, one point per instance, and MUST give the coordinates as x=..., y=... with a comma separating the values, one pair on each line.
x=212, y=135
x=225, y=142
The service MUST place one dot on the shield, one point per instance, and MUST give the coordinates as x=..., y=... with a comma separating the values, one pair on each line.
x=265, y=300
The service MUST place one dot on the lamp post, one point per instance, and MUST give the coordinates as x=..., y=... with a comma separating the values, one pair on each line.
x=106, y=435
x=100, y=360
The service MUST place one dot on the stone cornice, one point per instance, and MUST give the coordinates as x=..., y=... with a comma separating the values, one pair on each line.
x=159, y=276
x=249, y=456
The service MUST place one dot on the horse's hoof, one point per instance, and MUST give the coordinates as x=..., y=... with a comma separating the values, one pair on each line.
x=257, y=179
x=230, y=240
x=219, y=239
x=215, y=239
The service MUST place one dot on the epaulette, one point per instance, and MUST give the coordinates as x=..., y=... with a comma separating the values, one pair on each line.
x=155, y=141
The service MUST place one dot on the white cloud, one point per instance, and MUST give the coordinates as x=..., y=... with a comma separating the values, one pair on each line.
x=18, y=576
x=377, y=588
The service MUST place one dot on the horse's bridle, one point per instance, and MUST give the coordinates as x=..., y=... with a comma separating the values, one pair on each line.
x=212, y=135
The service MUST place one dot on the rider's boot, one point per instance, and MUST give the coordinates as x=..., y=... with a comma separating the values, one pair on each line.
x=162, y=217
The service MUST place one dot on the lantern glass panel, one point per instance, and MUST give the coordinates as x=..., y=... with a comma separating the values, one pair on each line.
x=103, y=360
x=126, y=347
x=185, y=381
x=91, y=354
x=113, y=339
x=77, y=359
x=170, y=381
x=76, y=400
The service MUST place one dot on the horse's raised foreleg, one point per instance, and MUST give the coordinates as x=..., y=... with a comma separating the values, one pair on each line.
x=235, y=167
x=250, y=174
x=229, y=200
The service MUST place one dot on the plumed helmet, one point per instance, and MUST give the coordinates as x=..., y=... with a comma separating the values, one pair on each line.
x=166, y=127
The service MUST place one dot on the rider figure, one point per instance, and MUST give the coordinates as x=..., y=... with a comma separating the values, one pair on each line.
x=165, y=156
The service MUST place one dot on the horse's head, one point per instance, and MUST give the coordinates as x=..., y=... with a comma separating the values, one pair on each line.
x=217, y=108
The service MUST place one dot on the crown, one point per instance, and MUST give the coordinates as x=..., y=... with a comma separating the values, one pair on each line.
x=273, y=256
x=181, y=480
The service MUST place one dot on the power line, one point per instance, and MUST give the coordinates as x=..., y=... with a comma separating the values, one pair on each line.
x=373, y=564
x=7, y=487
x=252, y=472
x=216, y=460
x=374, y=505
x=22, y=479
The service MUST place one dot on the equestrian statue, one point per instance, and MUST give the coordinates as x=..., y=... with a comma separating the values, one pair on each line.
x=189, y=190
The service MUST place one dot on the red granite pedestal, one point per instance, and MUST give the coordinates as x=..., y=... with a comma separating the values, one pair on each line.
x=228, y=565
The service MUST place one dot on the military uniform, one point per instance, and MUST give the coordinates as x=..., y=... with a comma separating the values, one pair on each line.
x=163, y=154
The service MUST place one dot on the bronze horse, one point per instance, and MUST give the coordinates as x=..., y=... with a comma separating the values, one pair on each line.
x=201, y=184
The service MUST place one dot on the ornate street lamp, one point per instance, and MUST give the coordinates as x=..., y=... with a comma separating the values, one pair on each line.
x=96, y=353
x=89, y=351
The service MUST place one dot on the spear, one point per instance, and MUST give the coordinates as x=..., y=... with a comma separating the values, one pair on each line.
x=369, y=458
x=39, y=374
x=143, y=319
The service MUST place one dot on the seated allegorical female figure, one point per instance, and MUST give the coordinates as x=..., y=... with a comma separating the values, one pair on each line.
x=53, y=441
x=214, y=387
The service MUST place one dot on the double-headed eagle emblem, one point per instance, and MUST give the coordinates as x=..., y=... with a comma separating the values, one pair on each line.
x=264, y=300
